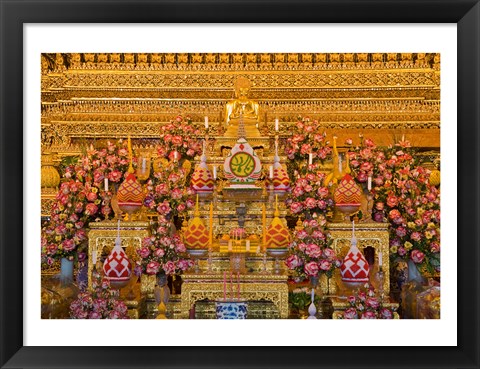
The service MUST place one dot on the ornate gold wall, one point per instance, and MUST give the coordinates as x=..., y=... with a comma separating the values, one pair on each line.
x=382, y=95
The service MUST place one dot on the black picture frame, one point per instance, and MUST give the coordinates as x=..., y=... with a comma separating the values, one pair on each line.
x=465, y=13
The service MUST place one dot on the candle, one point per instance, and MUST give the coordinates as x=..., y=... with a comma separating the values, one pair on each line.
x=340, y=164
x=229, y=245
x=313, y=294
x=94, y=257
x=91, y=147
x=224, y=286
x=210, y=231
x=247, y=246
x=369, y=183
x=175, y=155
x=380, y=259
x=106, y=184
x=144, y=163
x=310, y=159
x=271, y=171
x=276, y=125
x=353, y=228
x=258, y=249
x=214, y=172
x=231, y=285
x=264, y=225
x=238, y=285
x=403, y=137
x=206, y=122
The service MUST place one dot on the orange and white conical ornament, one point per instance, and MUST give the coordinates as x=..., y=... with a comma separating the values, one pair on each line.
x=130, y=193
x=196, y=235
x=354, y=269
x=277, y=235
x=202, y=179
x=117, y=267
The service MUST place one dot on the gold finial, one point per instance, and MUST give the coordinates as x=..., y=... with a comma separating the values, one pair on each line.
x=277, y=213
x=130, y=155
x=196, y=213
x=347, y=167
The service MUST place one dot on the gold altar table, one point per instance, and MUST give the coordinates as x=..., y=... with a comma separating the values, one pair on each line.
x=253, y=287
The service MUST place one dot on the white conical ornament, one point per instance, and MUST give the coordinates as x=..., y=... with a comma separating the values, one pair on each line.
x=117, y=267
x=354, y=269
x=312, y=310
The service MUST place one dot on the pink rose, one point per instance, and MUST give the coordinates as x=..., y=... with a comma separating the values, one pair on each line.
x=417, y=256
x=91, y=196
x=164, y=208
x=402, y=251
x=293, y=261
x=310, y=203
x=311, y=269
x=350, y=313
x=322, y=192
x=91, y=209
x=362, y=177
x=68, y=245
x=180, y=247
x=143, y=252
x=348, y=141
x=321, y=204
x=298, y=191
x=372, y=302
x=181, y=208
x=416, y=236
x=392, y=201
x=183, y=265
x=115, y=176
x=302, y=247
x=351, y=300
x=313, y=251
x=52, y=249
x=369, y=315
x=369, y=142
x=386, y=313
x=401, y=232
x=366, y=166
x=161, y=189
x=152, y=267
x=159, y=253
x=169, y=267
x=301, y=234
x=176, y=194
x=305, y=149
x=329, y=254
x=318, y=235
x=435, y=247
x=325, y=265
x=296, y=207
x=177, y=140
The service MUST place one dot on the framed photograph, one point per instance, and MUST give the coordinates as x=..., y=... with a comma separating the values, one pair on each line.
x=264, y=27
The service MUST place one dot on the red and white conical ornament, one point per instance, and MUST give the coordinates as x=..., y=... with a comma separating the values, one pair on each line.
x=117, y=267
x=281, y=182
x=355, y=268
x=202, y=179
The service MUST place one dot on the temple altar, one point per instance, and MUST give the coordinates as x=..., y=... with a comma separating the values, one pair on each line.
x=274, y=201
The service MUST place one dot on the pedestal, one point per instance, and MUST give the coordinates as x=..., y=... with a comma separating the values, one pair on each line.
x=253, y=288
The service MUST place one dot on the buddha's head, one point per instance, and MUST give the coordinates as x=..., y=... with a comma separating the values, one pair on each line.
x=242, y=87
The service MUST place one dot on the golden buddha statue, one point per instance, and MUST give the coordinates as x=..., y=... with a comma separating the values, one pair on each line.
x=242, y=106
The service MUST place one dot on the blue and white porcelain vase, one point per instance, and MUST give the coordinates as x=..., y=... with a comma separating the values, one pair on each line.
x=231, y=310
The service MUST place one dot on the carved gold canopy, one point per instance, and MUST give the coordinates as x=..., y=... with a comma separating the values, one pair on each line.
x=110, y=95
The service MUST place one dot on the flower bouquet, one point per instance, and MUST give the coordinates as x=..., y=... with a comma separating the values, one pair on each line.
x=163, y=252
x=365, y=305
x=310, y=253
x=179, y=139
x=101, y=303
